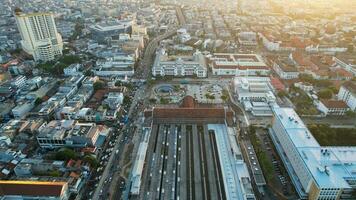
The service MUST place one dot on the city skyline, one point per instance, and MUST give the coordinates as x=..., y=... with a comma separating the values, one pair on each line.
x=168, y=99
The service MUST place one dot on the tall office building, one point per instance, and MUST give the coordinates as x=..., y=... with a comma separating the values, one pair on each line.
x=39, y=35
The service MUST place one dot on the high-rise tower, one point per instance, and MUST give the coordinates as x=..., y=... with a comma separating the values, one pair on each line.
x=39, y=35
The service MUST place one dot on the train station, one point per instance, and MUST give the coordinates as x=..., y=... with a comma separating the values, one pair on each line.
x=193, y=154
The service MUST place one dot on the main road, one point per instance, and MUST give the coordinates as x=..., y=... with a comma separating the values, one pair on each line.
x=143, y=72
x=139, y=95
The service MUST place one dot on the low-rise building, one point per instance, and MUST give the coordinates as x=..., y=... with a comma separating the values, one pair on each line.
x=347, y=93
x=332, y=107
x=19, y=189
x=18, y=82
x=238, y=64
x=114, y=100
x=165, y=65
x=119, y=65
x=306, y=87
x=22, y=109
x=254, y=89
x=346, y=62
x=72, y=70
x=285, y=70
x=33, y=167
x=256, y=94
x=247, y=38
x=104, y=30
x=60, y=133
x=272, y=43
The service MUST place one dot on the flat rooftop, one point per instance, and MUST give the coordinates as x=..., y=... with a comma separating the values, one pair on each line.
x=241, y=61
x=329, y=166
x=295, y=128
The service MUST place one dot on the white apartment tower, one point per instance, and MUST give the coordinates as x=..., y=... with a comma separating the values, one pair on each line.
x=39, y=35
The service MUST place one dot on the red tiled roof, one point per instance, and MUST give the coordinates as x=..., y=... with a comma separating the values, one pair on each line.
x=32, y=188
x=301, y=43
x=74, y=175
x=350, y=86
x=242, y=56
x=190, y=113
x=240, y=67
x=334, y=103
x=70, y=163
x=252, y=67
x=78, y=163
x=342, y=72
x=302, y=61
x=89, y=150
x=188, y=102
x=277, y=84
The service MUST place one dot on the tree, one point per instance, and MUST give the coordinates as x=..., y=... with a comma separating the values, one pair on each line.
x=323, y=83
x=66, y=154
x=282, y=94
x=224, y=98
x=16, y=51
x=164, y=101
x=38, y=101
x=118, y=83
x=152, y=100
x=209, y=96
x=78, y=28
x=98, y=85
x=93, y=162
x=350, y=113
x=52, y=68
x=126, y=100
x=333, y=89
x=350, y=48
x=129, y=86
x=325, y=94
x=69, y=59
x=176, y=88
x=306, y=78
x=54, y=173
x=328, y=136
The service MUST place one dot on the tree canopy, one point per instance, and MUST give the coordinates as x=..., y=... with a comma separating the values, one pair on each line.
x=66, y=154
x=325, y=94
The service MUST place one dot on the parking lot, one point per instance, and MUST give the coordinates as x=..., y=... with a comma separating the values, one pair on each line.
x=280, y=182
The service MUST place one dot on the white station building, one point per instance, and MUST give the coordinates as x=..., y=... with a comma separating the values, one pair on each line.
x=165, y=65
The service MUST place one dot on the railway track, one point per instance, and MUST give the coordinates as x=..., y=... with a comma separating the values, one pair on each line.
x=218, y=174
x=164, y=152
x=203, y=166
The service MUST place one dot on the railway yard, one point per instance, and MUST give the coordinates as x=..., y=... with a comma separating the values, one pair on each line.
x=173, y=170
